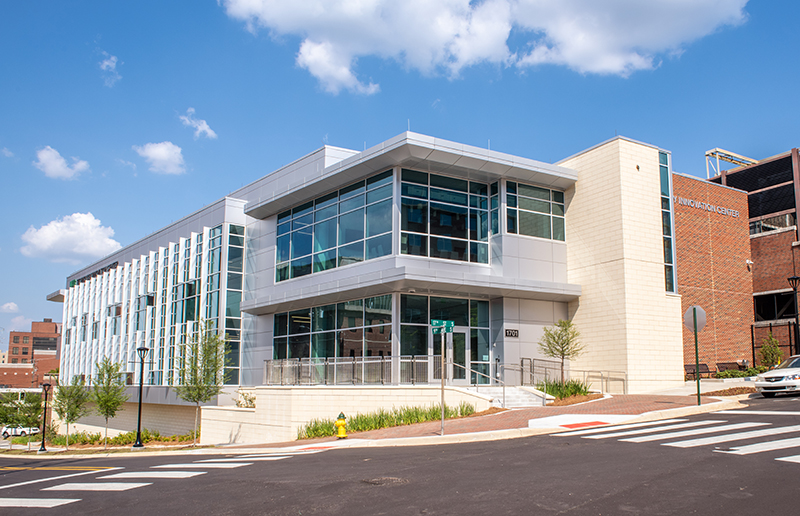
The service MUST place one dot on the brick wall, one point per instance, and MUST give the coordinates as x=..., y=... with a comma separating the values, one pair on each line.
x=712, y=249
x=772, y=254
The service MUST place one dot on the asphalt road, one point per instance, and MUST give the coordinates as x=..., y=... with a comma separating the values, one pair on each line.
x=662, y=468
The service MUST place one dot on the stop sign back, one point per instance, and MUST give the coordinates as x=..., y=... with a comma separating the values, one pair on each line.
x=688, y=318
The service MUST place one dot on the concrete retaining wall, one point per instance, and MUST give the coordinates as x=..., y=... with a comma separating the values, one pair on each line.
x=281, y=410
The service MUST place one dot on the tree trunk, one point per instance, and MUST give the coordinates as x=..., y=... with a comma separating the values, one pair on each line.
x=67, y=436
x=562, y=370
x=196, y=412
x=106, y=438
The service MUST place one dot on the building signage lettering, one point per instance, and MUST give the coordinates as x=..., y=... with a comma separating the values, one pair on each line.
x=680, y=201
x=512, y=333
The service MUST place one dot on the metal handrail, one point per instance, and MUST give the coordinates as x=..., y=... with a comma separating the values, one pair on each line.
x=487, y=376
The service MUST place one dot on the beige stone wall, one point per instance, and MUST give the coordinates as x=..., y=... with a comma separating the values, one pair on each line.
x=281, y=411
x=615, y=252
x=167, y=419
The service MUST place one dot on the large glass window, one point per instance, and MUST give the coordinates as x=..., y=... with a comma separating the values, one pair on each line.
x=344, y=227
x=416, y=313
x=355, y=328
x=666, y=221
x=444, y=217
x=534, y=211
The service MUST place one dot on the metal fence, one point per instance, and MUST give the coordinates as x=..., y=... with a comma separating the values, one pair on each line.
x=534, y=371
x=426, y=369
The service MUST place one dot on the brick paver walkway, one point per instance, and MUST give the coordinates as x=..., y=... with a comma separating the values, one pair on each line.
x=632, y=404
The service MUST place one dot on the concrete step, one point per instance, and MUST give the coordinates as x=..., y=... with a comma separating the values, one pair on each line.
x=515, y=397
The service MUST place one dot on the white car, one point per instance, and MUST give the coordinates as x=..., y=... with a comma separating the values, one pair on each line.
x=8, y=431
x=784, y=378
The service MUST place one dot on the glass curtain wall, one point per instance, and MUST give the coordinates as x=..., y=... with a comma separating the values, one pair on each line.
x=356, y=328
x=534, y=211
x=344, y=227
x=444, y=217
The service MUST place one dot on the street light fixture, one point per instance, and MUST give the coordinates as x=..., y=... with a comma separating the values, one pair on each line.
x=46, y=387
x=794, y=281
x=142, y=352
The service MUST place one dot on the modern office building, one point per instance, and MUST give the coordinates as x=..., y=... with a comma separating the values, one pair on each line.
x=346, y=257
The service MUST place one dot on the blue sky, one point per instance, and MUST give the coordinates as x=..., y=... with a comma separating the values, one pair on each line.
x=140, y=112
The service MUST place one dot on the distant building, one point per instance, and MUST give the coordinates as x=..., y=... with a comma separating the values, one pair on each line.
x=31, y=355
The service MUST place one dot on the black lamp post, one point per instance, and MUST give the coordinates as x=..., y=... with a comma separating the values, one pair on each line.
x=142, y=352
x=46, y=387
x=794, y=281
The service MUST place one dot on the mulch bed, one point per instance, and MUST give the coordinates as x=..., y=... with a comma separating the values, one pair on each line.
x=733, y=391
x=488, y=412
x=572, y=400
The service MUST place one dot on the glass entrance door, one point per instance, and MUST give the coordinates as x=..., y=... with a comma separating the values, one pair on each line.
x=457, y=356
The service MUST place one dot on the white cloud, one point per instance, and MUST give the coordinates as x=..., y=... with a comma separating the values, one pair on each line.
x=109, y=68
x=163, y=158
x=71, y=239
x=20, y=323
x=200, y=127
x=446, y=36
x=7, y=153
x=53, y=165
x=9, y=308
x=126, y=163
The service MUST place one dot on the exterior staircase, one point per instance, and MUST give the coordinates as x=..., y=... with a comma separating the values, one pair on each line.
x=515, y=397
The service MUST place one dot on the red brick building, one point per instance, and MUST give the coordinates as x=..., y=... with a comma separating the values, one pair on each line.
x=31, y=355
x=714, y=270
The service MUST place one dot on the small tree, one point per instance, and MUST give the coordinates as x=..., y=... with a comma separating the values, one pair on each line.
x=770, y=351
x=200, y=369
x=9, y=411
x=561, y=342
x=108, y=393
x=30, y=411
x=70, y=402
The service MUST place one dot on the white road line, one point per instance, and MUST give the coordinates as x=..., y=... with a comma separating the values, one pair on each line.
x=616, y=427
x=93, y=472
x=691, y=443
x=687, y=433
x=760, y=412
x=36, y=503
x=154, y=474
x=219, y=465
x=793, y=458
x=292, y=453
x=248, y=458
x=658, y=429
x=97, y=486
x=762, y=447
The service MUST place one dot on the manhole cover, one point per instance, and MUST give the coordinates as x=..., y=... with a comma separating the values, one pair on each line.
x=385, y=481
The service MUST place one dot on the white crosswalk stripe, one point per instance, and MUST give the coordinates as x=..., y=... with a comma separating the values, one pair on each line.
x=206, y=465
x=617, y=427
x=741, y=436
x=687, y=433
x=659, y=429
x=763, y=447
x=97, y=486
x=153, y=474
x=248, y=458
x=36, y=503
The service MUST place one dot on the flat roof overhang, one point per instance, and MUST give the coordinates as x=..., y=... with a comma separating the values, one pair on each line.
x=408, y=280
x=412, y=150
x=57, y=296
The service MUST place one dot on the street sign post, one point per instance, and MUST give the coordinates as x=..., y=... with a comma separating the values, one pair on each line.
x=440, y=327
x=695, y=320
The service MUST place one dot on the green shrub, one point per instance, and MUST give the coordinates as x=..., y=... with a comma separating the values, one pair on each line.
x=770, y=352
x=383, y=418
x=735, y=373
x=561, y=390
x=127, y=438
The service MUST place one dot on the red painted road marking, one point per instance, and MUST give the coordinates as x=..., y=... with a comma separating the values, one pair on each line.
x=573, y=426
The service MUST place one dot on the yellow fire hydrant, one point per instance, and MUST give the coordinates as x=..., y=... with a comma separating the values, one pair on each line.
x=340, y=424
